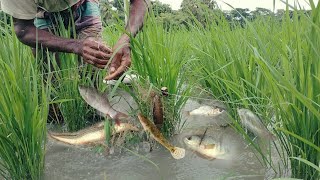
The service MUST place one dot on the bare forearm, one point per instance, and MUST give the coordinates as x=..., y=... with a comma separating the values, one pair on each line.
x=30, y=35
x=138, y=9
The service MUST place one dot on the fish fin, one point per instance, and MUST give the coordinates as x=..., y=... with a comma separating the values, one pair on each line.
x=178, y=153
x=203, y=156
x=99, y=124
x=99, y=113
x=117, y=121
x=209, y=146
x=134, y=128
x=121, y=116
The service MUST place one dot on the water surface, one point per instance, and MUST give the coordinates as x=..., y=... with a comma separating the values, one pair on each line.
x=71, y=162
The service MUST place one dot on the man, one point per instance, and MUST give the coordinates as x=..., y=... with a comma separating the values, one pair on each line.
x=35, y=20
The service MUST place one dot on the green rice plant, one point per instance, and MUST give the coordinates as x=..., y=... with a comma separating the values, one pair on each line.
x=70, y=73
x=67, y=75
x=226, y=67
x=271, y=68
x=159, y=59
x=295, y=85
x=23, y=111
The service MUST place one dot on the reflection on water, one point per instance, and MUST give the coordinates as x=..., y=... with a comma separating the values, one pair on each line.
x=68, y=162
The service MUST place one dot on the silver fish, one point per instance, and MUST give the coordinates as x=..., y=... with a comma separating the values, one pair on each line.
x=127, y=79
x=206, y=111
x=208, y=148
x=252, y=122
x=100, y=102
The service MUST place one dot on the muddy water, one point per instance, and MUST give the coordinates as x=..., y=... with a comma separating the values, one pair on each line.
x=69, y=162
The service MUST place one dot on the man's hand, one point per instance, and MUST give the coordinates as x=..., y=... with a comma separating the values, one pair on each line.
x=122, y=60
x=95, y=53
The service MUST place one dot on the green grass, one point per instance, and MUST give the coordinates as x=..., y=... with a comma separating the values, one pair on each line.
x=23, y=111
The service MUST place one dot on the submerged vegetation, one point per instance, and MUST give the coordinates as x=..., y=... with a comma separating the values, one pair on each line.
x=268, y=64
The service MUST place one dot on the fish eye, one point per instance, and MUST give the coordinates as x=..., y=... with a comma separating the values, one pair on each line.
x=189, y=138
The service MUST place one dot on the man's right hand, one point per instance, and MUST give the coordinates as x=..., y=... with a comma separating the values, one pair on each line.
x=95, y=52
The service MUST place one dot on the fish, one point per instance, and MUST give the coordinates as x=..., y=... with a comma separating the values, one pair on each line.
x=207, y=148
x=252, y=122
x=206, y=111
x=157, y=111
x=90, y=135
x=127, y=79
x=176, y=152
x=100, y=102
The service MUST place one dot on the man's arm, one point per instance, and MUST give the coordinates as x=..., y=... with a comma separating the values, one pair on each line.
x=93, y=52
x=138, y=9
x=122, y=59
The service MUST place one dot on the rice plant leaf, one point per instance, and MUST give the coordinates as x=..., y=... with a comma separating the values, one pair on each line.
x=61, y=101
x=107, y=130
x=300, y=138
x=307, y=162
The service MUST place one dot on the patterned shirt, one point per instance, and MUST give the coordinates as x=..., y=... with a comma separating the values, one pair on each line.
x=27, y=9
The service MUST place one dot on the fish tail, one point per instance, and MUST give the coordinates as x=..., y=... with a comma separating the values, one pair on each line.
x=178, y=153
x=64, y=139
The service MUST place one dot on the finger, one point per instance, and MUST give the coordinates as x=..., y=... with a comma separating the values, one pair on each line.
x=123, y=67
x=102, y=55
x=100, y=61
x=96, y=60
x=96, y=53
x=89, y=62
x=101, y=47
x=99, y=66
x=116, y=74
x=115, y=64
x=105, y=49
x=112, y=69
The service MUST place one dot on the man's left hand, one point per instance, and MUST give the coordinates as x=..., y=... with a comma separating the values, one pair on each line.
x=121, y=60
